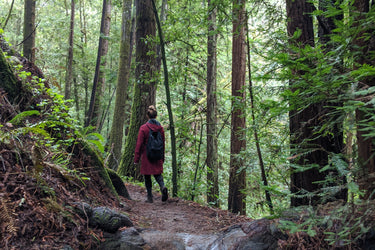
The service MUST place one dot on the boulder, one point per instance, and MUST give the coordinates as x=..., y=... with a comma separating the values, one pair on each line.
x=103, y=218
x=129, y=239
x=259, y=234
x=108, y=220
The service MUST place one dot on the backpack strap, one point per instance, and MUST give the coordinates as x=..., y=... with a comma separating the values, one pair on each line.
x=149, y=127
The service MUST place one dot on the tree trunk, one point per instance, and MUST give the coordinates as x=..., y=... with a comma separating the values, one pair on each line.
x=298, y=13
x=311, y=148
x=119, y=115
x=169, y=103
x=144, y=86
x=69, y=62
x=29, y=30
x=99, y=104
x=8, y=81
x=366, y=146
x=212, y=165
x=93, y=115
x=237, y=171
x=333, y=141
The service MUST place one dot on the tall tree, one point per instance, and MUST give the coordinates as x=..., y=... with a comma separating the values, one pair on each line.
x=69, y=62
x=29, y=30
x=300, y=20
x=119, y=115
x=237, y=171
x=84, y=66
x=144, y=86
x=310, y=145
x=333, y=140
x=93, y=115
x=212, y=164
x=365, y=44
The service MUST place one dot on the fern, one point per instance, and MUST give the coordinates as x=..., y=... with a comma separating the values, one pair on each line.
x=6, y=216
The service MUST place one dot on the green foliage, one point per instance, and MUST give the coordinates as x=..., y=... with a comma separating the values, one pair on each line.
x=23, y=116
x=335, y=224
x=96, y=139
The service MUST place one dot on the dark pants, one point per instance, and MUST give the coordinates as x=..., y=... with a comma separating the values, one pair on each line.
x=148, y=183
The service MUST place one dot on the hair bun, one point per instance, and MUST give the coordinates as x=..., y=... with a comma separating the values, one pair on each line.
x=152, y=107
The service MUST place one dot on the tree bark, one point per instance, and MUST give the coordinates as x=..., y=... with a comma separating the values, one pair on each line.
x=119, y=115
x=144, y=86
x=310, y=146
x=69, y=62
x=298, y=13
x=212, y=164
x=8, y=81
x=29, y=30
x=93, y=115
x=99, y=104
x=333, y=142
x=237, y=171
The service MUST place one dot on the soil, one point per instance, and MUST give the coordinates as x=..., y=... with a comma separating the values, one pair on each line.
x=177, y=215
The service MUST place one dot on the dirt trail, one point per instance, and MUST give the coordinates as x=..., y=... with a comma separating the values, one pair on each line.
x=177, y=215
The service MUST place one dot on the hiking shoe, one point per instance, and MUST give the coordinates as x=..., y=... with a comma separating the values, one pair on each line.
x=150, y=199
x=164, y=194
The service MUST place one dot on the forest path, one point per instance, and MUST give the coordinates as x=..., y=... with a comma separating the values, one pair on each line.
x=177, y=215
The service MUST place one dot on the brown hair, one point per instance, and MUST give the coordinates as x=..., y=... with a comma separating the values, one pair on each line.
x=151, y=112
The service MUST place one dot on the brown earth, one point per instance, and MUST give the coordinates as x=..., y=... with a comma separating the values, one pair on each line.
x=177, y=215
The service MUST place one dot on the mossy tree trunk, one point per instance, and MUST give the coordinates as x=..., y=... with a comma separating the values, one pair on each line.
x=144, y=86
x=119, y=114
x=97, y=162
x=8, y=81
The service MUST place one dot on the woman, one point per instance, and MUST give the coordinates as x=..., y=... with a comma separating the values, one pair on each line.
x=149, y=167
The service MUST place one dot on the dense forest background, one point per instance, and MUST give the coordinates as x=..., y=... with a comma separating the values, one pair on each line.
x=269, y=104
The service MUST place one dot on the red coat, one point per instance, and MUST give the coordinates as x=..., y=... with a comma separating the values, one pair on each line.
x=147, y=167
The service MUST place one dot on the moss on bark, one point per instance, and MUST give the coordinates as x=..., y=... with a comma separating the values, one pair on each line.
x=8, y=81
x=97, y=162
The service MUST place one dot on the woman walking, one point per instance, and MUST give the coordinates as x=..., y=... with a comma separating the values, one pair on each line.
x=151, y=165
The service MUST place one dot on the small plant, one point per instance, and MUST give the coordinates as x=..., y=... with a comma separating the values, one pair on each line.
x=23, y=116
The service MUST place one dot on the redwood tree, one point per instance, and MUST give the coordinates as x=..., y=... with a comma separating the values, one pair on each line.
x=310, y=144
x=237, y=171
x=300, y=19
